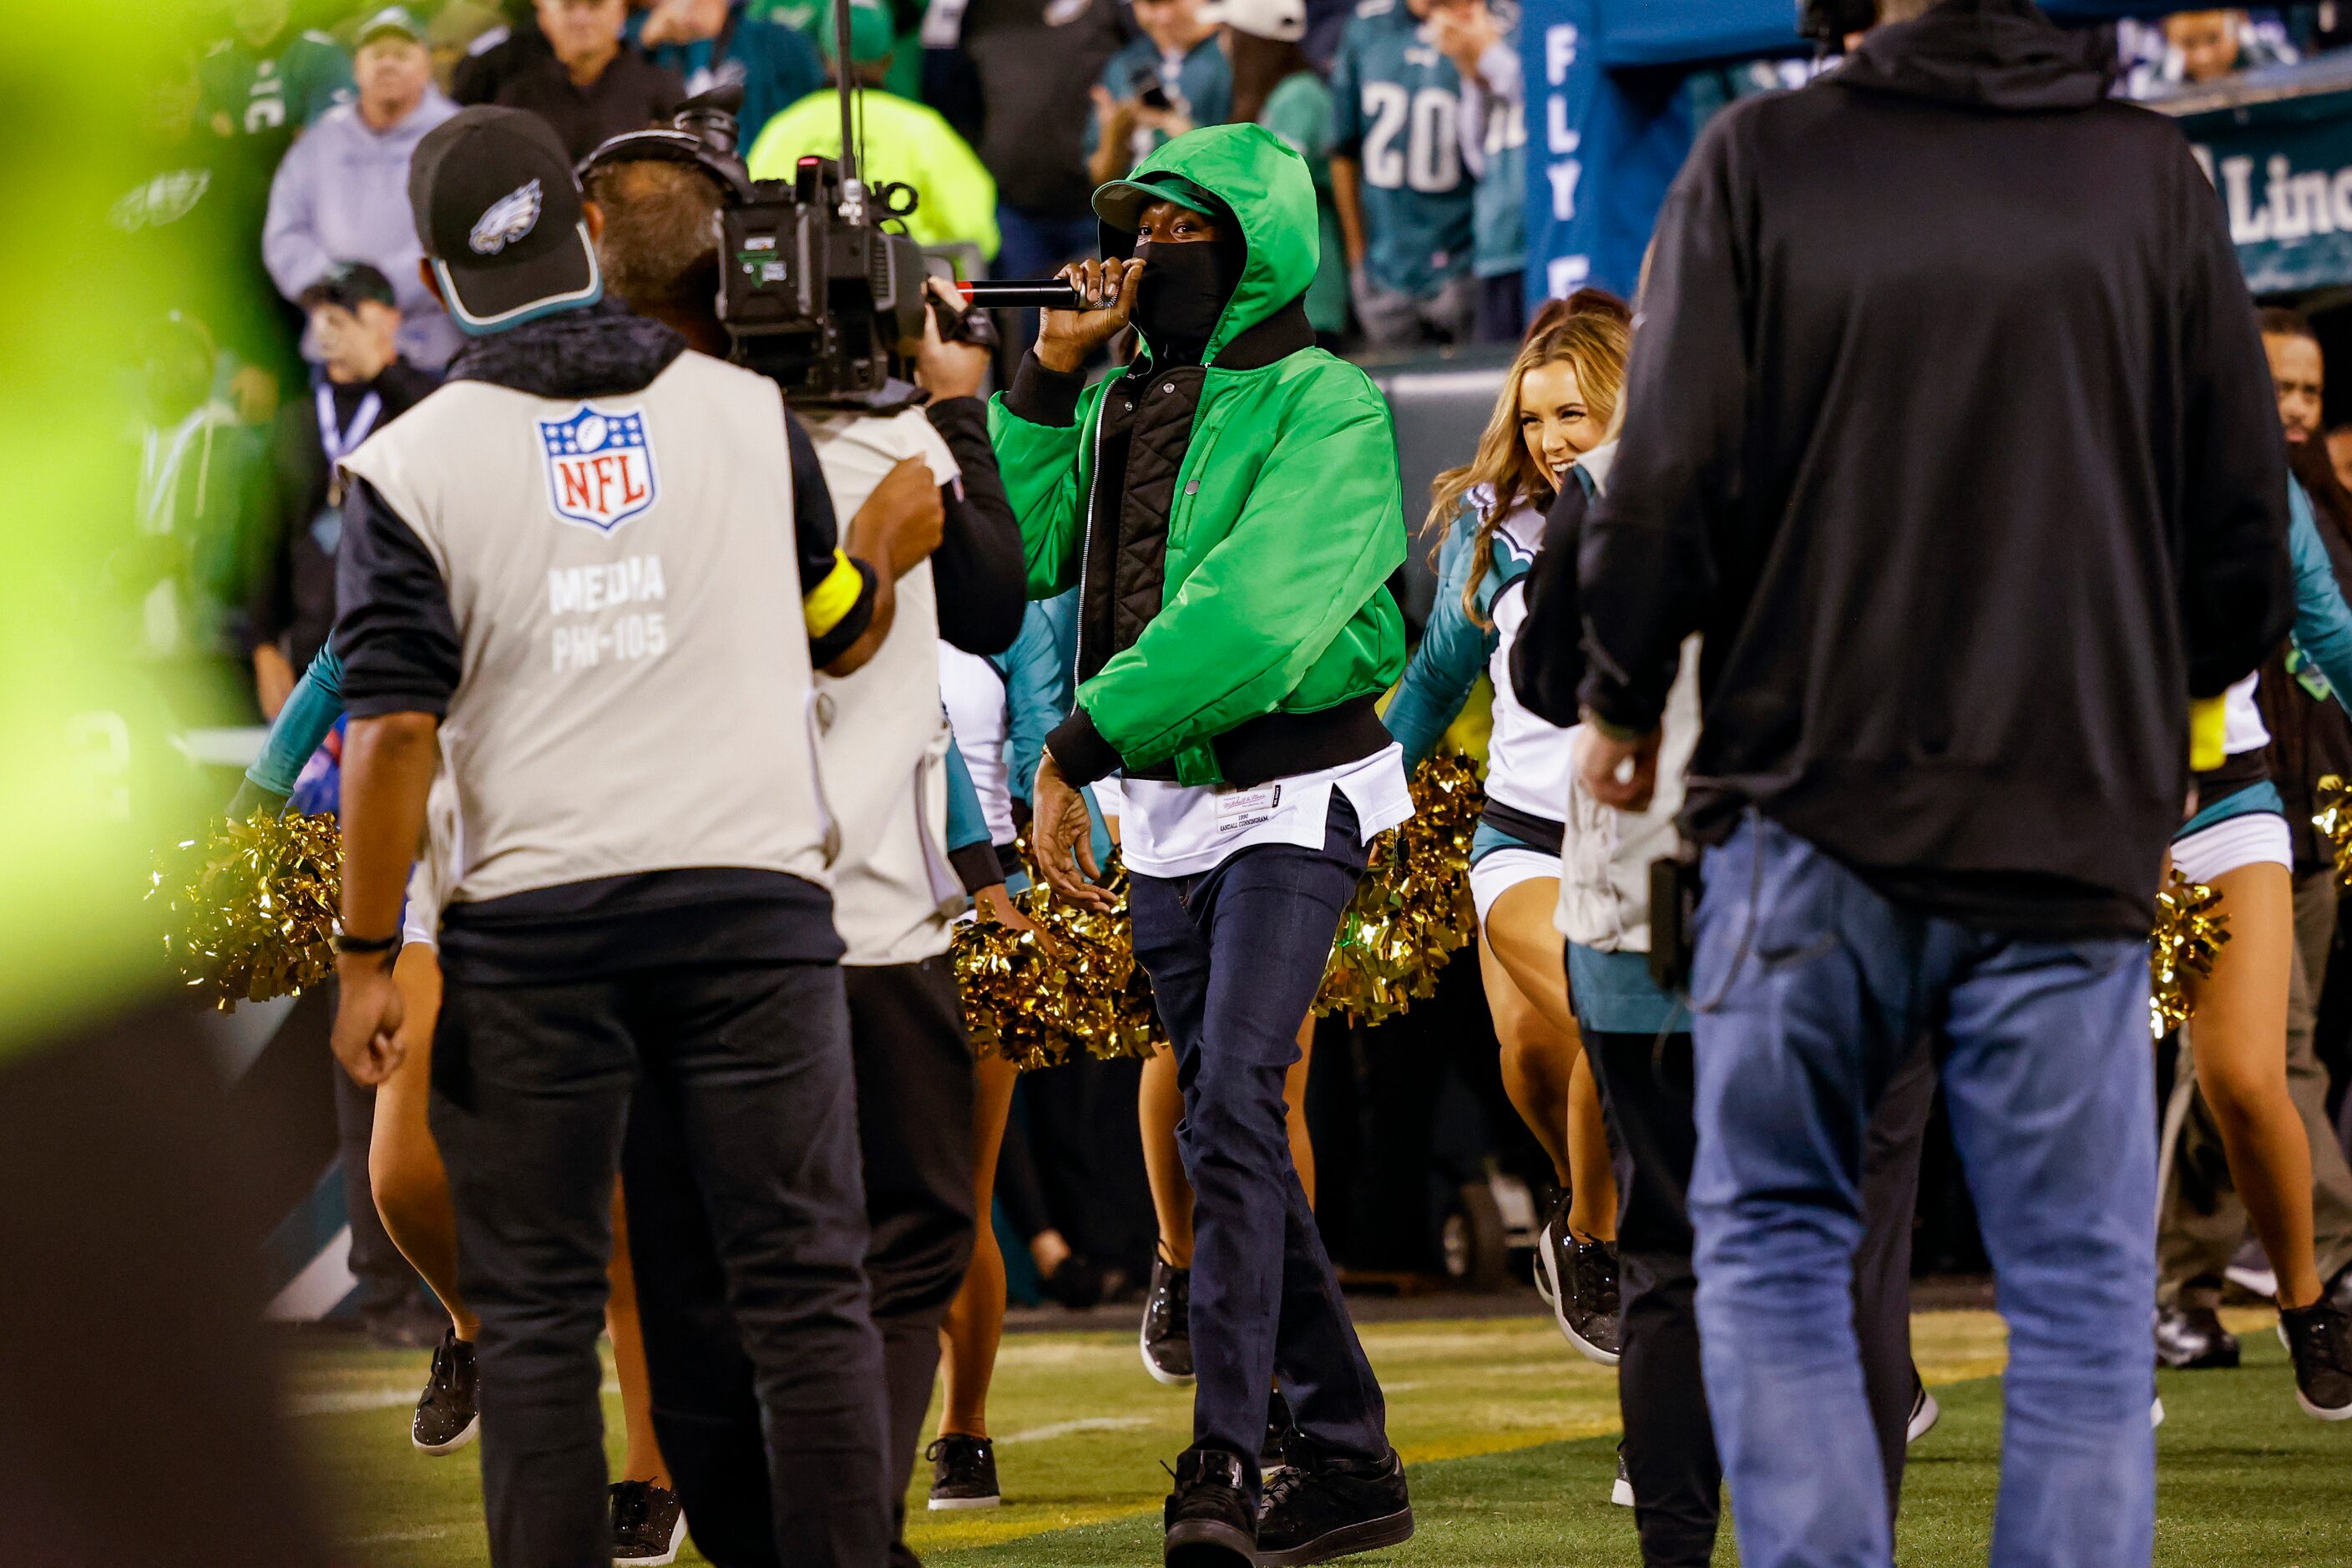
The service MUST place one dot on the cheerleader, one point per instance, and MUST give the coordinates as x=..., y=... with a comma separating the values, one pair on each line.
x=1557, y=403
x=1001, y=709
x=2236, y=842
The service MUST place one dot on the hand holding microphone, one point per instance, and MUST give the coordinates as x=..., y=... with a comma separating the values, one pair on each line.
x=1105, y=290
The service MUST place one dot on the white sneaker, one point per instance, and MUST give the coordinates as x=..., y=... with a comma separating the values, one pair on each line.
x=1924, y=1412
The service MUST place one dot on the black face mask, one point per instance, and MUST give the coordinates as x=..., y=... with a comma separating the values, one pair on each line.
x=1183, y=291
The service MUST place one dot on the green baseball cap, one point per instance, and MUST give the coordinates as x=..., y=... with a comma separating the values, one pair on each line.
x=1120, y=204
x=398, y=20
x=871, y=35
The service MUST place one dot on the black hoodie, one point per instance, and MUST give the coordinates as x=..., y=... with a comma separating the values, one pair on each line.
x=1950, y=427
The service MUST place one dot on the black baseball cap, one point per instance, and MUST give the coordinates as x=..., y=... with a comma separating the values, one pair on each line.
x=498, y=213
x=349, y=284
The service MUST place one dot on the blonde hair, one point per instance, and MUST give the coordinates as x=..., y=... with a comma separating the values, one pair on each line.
x=1593, y=345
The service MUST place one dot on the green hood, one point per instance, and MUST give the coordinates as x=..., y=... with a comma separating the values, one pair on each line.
x=1267, y=183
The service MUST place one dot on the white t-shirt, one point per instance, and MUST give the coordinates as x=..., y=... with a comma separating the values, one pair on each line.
x=1181, y=830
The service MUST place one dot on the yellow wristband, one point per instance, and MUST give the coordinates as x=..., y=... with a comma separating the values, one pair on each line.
x=2209, y=725
x=824, y=605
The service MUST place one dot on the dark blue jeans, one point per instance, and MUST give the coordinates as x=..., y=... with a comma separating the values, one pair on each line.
x=1812, y=990
x=1235, y=956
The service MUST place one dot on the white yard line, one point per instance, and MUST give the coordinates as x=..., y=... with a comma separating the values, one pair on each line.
x=1071, y=1428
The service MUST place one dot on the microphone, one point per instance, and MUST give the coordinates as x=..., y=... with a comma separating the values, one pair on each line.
x=1045, y=293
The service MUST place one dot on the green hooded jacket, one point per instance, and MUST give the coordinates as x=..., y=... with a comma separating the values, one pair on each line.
x=1235, y=624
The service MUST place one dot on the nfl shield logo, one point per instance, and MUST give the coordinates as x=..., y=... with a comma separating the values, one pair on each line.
x=600, y=466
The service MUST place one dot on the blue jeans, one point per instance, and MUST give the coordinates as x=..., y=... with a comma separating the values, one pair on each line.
x=1812, y=987
x=1236, y=955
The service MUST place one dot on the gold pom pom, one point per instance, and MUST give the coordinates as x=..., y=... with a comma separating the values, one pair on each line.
x=1412, y=911
x=1033, y=996
x=2186, y=937
x=255, y=907
x=2334, y=820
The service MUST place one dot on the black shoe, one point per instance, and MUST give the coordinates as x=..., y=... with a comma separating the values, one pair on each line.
x=963, y=1472
x=1924, y=1412
x=1579, y=1278
x=448, y=1413
x=1274, y=1454
x=1211, y=1523
x=1077, y=1284
x=2190, y=1338
x=1322, y=1507
x=1167, y=1324
x=2319, y=1338
x=648, y=1523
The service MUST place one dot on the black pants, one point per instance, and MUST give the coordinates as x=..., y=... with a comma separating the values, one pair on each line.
x=1236, y=955
x=914, y=1124
x=1670, y=1454
x=748, y=1228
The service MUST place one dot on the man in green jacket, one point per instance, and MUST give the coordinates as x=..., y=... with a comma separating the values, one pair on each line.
x=1229, y=510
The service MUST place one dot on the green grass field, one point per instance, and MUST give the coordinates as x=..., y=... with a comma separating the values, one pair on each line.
x=1511, y=1439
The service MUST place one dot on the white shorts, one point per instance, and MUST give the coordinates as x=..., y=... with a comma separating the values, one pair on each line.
x=2257, y=838
x=1498, y=871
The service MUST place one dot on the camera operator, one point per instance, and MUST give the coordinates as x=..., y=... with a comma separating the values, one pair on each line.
x=881, y=751
x=566, y=571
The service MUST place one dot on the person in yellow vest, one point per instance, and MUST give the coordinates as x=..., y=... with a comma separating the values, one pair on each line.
x=901, y=141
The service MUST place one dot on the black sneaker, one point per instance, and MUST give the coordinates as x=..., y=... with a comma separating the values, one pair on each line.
x=1077, y=1284
x=1579, y=1278
x=1323, y=1507
x=2319, y=1338
x=963, y=1472
x=648, y=1523
x=1274, y=1454
x=448, y=1413
x=2191, y=1337
x=1210, y=1522
x=1167, y=1336
x=1924, y=1411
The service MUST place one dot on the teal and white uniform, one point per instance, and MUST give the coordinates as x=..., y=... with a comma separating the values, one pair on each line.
x=2240, y=820
x=1529, y=760
x=1396, y=103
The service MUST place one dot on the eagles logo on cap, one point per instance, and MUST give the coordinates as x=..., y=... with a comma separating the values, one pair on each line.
x=500, y=217
x=510, y=217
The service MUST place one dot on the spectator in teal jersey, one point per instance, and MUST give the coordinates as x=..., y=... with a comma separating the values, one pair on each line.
x=1276, y=86
x=1406, y=201
x=717, y=43
x=1483, y=45
x=267, y=79
x=1168, y=80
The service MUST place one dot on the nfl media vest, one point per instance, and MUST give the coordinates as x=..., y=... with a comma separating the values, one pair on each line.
x=882, y=735
x=635, y=694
